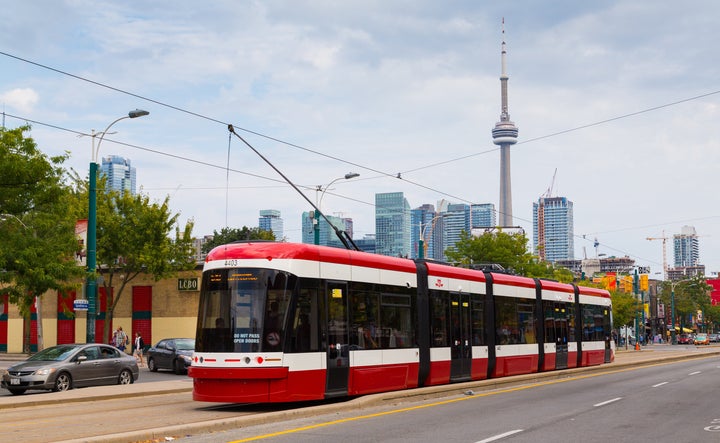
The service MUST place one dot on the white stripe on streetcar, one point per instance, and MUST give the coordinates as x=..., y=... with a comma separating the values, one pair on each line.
x=659, y=384
x=607, y=402
x=499, y=436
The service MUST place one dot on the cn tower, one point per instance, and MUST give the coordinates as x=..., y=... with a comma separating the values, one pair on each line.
x=504, y=134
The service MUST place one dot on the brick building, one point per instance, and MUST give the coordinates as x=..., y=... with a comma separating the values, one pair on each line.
x=156, y=309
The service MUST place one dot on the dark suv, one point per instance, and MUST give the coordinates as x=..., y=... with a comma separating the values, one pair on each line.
x=171, y=353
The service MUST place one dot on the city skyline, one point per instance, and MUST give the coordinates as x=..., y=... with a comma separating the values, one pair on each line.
x=603, y=92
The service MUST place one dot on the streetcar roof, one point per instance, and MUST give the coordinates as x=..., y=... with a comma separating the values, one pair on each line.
x=302, y=251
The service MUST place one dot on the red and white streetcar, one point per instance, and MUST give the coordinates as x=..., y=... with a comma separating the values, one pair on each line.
x=283, y=322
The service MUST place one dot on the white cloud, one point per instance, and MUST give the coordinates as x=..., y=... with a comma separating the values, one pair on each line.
x=20, y=99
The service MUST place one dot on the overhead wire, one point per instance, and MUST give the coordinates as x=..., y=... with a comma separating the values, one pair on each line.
x=398, y=175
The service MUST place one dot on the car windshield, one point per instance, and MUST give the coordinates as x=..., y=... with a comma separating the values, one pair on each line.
x=701, y=336
x=185, y=344
x=55, y=353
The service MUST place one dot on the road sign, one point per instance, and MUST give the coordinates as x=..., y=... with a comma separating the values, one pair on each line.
x=80, y=305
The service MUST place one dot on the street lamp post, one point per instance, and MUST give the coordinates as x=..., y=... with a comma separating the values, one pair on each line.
x=421, y=241
x=673, y=335
x=91, y=285
x=316, y=218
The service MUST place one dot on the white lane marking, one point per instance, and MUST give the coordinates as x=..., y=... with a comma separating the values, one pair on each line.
x=499, y=436
x=659, y=384
x=607, y=402
x=695, y=373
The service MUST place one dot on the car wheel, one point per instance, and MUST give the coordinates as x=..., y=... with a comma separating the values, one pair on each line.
x=151, y=365
x=178, y=367
x=15, y=391
x=125, y=377
x=63, y=382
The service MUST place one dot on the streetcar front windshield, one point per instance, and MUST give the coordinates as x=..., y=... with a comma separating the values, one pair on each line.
x=243, y=310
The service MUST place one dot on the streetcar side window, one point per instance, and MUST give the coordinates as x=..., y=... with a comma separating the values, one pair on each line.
x=439, y=319
x=365, y=304
x=396, y=324
x=550, y=326
x=526, y=320
x=279, y=291
x=304, y=336
x=596, y=322
x=478, y=320
x=571, y=322
x=515, y=320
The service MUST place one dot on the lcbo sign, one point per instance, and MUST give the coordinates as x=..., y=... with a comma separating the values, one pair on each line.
x=188, y=284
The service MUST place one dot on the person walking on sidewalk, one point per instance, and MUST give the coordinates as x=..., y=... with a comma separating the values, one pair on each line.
x=121, y=339
x=139, y=345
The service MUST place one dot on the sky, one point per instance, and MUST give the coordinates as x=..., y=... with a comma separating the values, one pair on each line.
x=616, y=104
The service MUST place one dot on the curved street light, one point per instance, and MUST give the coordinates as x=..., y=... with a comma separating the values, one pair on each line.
x=6, y=216
x=422, y=246
x=91, y=286
x=316, y=219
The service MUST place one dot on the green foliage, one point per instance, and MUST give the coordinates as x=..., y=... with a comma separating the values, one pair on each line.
x=508, y=250
x=37, y=230
x=134, y=237
x=691, y=295
x=229, y=235
x=624, y=307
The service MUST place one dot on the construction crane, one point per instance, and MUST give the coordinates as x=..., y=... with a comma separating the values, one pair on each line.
x=664, y=243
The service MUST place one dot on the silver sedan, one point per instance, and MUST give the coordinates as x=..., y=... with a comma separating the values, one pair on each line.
x=64, y=367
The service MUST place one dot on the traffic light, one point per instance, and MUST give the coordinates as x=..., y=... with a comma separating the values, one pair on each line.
x=627, y=283
x=644, y=283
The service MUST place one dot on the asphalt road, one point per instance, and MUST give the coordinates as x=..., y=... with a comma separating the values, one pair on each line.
x=671, y=402
x=153, y=410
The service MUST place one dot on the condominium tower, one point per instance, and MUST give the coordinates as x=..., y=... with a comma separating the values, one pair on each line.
x=392, y=224
x=270, y=220
x=553, y=229
x=686, y=247
x=119, y=173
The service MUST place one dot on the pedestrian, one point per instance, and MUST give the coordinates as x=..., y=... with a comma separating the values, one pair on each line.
x=139, y=345
x=121, y=339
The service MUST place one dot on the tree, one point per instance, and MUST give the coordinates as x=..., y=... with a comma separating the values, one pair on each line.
x=37, y=234
x=624, y=307
x=508, y=250
x=133, y=237
x=229, y=235
x=691, y=295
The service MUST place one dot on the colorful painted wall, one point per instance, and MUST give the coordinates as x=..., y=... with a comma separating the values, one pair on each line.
x=156, y=309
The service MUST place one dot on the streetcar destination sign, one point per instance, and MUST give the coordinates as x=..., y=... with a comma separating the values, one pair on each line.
x=188, y=284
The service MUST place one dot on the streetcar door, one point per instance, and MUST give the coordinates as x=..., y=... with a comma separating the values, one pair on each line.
x=460, y=339
x=560, y=311
x=338, y=356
